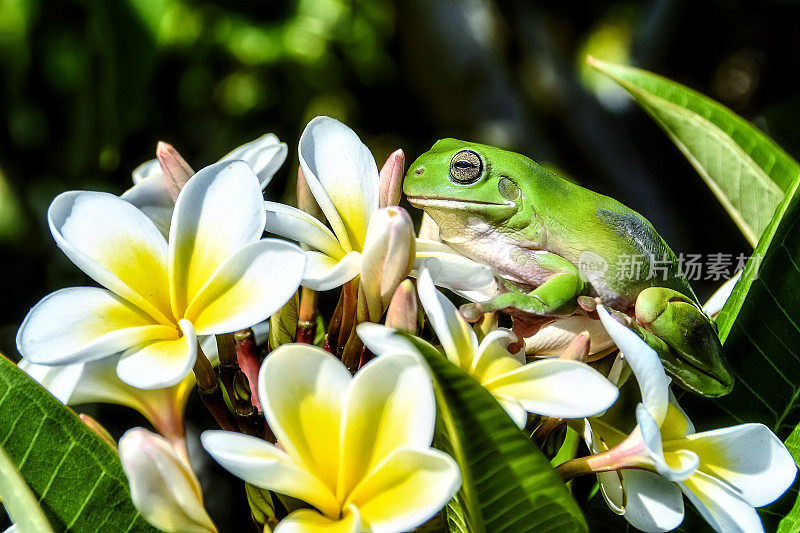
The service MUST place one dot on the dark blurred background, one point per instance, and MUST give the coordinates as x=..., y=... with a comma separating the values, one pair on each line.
x=87, y=88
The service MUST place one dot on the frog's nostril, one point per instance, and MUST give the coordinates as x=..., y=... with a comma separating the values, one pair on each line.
x=419, y=171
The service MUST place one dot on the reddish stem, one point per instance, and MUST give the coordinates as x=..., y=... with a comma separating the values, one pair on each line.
x=247, y=357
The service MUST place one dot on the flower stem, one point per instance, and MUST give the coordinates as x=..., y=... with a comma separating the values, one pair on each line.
x=626, y=454
x=247, y=356
x=211, y=393
x=306, y=318
x=344, y=318
x=237, y=387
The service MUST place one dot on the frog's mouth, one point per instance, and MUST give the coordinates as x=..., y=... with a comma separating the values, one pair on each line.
x=450, y=203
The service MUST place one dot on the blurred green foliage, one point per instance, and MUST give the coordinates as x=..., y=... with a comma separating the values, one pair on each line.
x=87, y=88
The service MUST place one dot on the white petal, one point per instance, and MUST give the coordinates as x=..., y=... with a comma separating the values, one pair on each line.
x=100, y=384
x=644, y=361
x=297, y=225
x=651, y=502
x=219, y=211
x=115, y=244
x=517, y=413
x=151, y=196
x=145, y=170
x=310, y=521
x=677, y=465
x=83, y=324
x=721, y=507
x=717, y=301
x=254, y=283
x=493, y=358
x=264, y=465
x=302, y=389
x=453, y=271
x=749, y=457
x=324, y=273
x=59, y=380
x=342, y=176
x=559, y=388
x=676, y=424
x=611, y=488
x=163, y=487
x=160, y=363
x=389, y=405
x=264, y=155
x=209, y=346
x=406, y=490
x=380, y=339
x=455, y=335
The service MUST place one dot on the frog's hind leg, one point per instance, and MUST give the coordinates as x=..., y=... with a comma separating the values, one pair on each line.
x=685, y=339
x=555, y=297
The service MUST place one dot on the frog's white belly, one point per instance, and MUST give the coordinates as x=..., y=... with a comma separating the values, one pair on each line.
x=507, y=257
x=516, y=262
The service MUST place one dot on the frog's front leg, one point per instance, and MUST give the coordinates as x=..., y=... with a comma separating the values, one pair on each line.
x=555, y=297
x=685, y=339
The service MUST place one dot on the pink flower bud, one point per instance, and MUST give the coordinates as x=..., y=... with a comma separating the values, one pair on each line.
x=175, y=169
x=402, y=313
x=163, y=487
x=391, y=179
x=389, y=251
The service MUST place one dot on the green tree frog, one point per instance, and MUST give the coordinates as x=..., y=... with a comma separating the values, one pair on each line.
x=557, y=249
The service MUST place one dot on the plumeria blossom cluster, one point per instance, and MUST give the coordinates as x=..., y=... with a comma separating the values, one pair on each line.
x=335, y=415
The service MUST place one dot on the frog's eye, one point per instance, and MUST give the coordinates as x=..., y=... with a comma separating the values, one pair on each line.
x=466, y=167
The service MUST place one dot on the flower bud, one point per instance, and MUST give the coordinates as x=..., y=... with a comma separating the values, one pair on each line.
x=403, y=309
x=305, y=198
x=554, y=338
x=175, y=169
x=391, y=179
x=98, y=429
x=389, y=251
x=163, y=487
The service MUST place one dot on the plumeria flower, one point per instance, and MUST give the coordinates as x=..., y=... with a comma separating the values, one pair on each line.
x=97, y=382
x=214, y=276
x=163, y=486
x=355, y=448
x=155, y=191
x=725, y=473
x=344, y=179
x=552, y=387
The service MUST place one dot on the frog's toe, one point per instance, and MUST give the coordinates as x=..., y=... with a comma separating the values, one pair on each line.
x=588, y=303
x=471, y=312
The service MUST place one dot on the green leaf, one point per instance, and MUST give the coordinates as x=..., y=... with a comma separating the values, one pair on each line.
x=744, y=168
x=791, y=523
x=75, y=476
x=760, y=329
x=507, y=483
x=18, y=500
x=283, y=324
x=262, y=507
